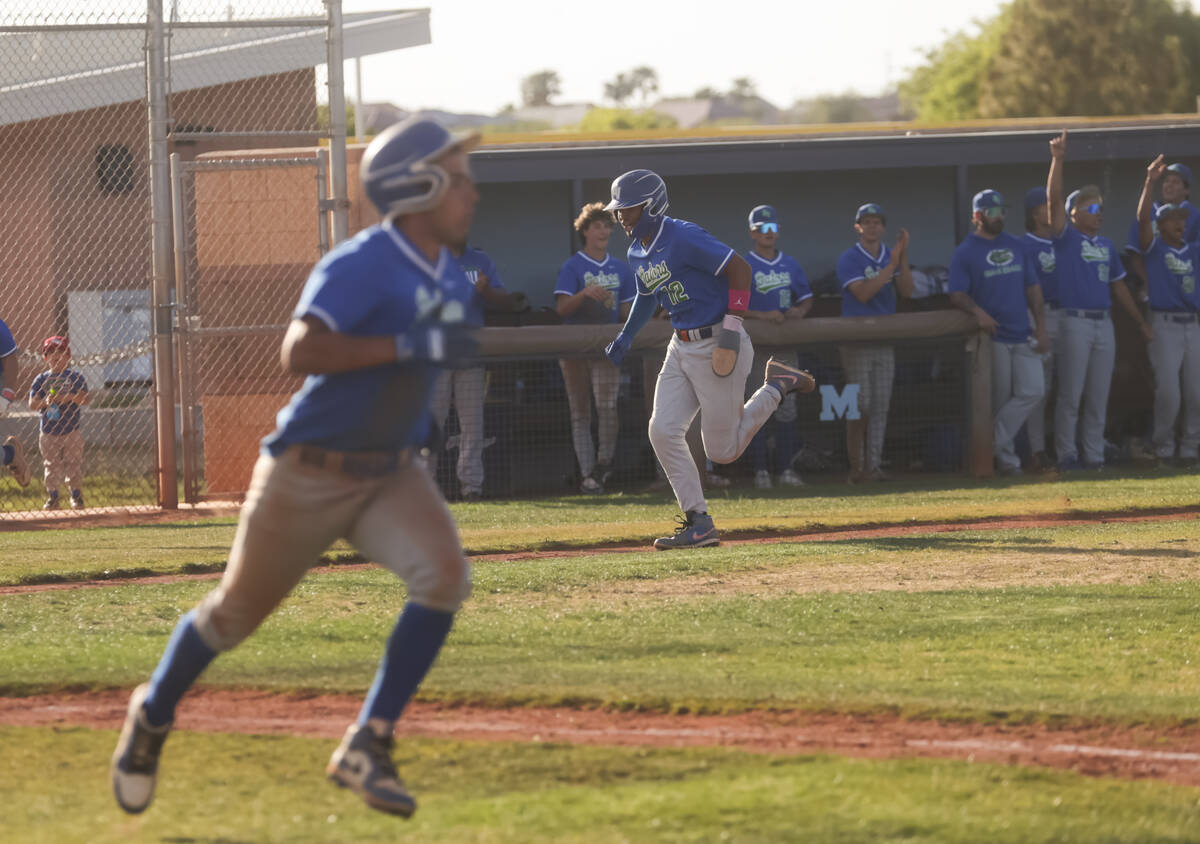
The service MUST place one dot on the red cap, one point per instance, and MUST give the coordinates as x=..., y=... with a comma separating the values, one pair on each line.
x=55, y=343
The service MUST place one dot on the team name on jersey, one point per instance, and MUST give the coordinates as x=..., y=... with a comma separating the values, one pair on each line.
x=1046, y=261
x=1094, y=253
x=1002, y=263
x=767, y=280
x=870, y=272
x=653, y=276
x=609, y=281
x=1178, y=266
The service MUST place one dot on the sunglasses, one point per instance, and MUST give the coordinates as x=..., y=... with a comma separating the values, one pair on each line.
x=767, y=228
x=993, y=213
x=1094, y=208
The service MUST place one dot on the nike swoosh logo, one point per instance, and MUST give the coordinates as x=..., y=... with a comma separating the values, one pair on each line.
x=707, y=533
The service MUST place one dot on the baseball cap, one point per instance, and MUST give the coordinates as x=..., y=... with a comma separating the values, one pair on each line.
x=868, y=210
x=1035, y=197
x=1074, y=195
x=763, y=214
x=987, y=199
x=55, y=343
x=1182, y=171
x=1168, y=208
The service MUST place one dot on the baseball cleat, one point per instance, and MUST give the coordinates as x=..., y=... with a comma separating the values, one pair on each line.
x=786, y=378
x=135, y=761
x=695, y=530
x=19, y=465
x=77, y=500
x=363, y=764
x=790, y=478
x=762, y=479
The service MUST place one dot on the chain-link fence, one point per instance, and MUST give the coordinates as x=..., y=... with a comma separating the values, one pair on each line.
x=94, y=97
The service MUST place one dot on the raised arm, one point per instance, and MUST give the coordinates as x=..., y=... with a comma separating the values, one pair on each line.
x=904, y=276
x=1146, y=205
x=1054, y=184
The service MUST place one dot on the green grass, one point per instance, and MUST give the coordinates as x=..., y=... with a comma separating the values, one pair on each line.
x=490, y=527
x=222, y=788
x=1079, y=653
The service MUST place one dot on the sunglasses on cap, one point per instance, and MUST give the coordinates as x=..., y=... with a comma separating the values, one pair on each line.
x=767, y=228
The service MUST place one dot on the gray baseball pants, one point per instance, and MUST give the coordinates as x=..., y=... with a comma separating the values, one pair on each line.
x=1175, y=357
x=1017, y=386
x=1087, y=350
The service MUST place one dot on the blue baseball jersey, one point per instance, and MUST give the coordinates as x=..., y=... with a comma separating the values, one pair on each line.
x=613, y=274
x=1086, y=266
x=857, y=264
x=681, y=268
x=778, y=284
x=1190, y=232
x=7, y=344
x=1041, y=251
x=61, y=414
x=995, y=273
x=1171, y=276
x=475, y=263
x=377, y=284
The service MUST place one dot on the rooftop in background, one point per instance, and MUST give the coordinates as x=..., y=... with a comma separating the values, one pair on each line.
x=68, y=70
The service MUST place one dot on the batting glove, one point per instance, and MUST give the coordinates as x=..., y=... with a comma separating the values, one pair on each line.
x=450, y=345
x=617, y=348
x=7, y=399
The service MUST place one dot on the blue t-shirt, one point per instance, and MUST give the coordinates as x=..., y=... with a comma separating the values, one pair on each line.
x=7, y=344
x=1171, y=276
x=377, y=284
x=778, y=284
x=580, y=271
x=1086, y=266
x=856, y=264
x=1041, y=251
x=1190, y=232
x=995, y=273
x=681, y=268
x=61, y=413
x=475, y=263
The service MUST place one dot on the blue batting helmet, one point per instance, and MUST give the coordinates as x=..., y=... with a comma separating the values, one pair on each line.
x=640, y=187
x=398, y=170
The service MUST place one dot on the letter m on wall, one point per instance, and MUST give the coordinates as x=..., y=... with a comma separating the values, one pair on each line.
x=835, y=405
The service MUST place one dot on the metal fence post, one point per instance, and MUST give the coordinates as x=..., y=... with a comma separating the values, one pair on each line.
x=160, y=223
x=337, y=122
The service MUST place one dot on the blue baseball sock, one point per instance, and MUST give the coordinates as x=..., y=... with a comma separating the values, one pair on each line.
x=184, y=659
x=9, y=451
x=411, y=650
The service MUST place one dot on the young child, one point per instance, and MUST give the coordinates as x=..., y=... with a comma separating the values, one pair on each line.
x=58, y=394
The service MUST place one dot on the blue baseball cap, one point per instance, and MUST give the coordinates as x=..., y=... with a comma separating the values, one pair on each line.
x=1168, y=208
x=763, y=214
x=870, y=209
x=1182, y=171
x=1035, y=197
x=986, y=199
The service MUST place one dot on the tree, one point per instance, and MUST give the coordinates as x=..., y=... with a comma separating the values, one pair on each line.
x=835, y=108
x=537, y=89
x=706, y=93
x=620, y=89
x=743, y=89
x=1042, y=58
x=645, y=82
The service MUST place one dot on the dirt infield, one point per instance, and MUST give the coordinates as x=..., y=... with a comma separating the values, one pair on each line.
x=1169, y=755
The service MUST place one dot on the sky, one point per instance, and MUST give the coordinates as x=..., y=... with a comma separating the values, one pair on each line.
x=791, y=49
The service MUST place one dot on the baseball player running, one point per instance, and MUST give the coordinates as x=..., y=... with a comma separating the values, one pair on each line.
x=371, y=331
x=705, y=288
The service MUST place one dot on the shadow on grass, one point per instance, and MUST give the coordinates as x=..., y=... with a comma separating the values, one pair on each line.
x=950, y=542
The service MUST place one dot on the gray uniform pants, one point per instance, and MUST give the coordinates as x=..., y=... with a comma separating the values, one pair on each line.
x=1086, y=352
x=466, y=387
x=1017, y=386
x=1035, y=425
x=687, y=385
x=1175, y=356
x=584, y=379
x=873, y=369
